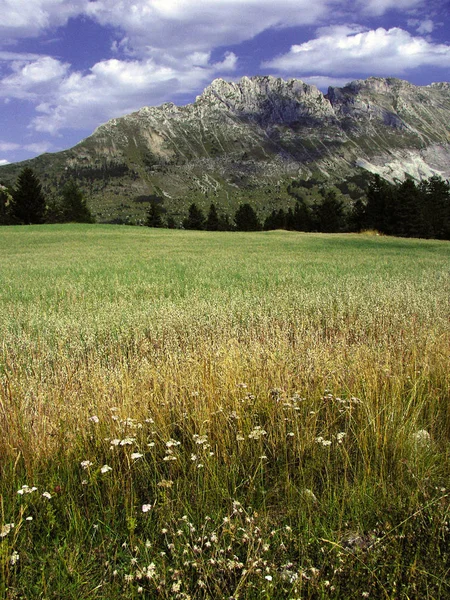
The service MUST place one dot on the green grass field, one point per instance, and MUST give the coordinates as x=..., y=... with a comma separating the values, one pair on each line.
x=223, y=415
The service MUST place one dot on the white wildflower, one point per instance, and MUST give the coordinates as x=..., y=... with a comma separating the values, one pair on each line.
x=268, y=577
x=25, y=489
x=146, y=507
x=47, y=495
x=94, y=419
x=85, y=464
x=14, y=558
x=171, y=443
x=6, y=529
x=257, y=433
x=136, y=455
x=105, y=469
x=115, y=442
x=422, y=438
x=200, y=439
x=169, y=457
x=128, y=441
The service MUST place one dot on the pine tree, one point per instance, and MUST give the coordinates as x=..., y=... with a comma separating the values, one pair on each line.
x=5, y=199
x=195, y=218
x=302, y=216
x=435, y=199
x=329, y=214
x=73, y=205
x=409, y=217
x=154, y=218
x=171, y=222
x=29, y=201
x=246, y=219
x=212, y=221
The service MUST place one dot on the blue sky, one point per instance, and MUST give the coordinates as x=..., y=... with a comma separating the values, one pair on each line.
x=66, y=66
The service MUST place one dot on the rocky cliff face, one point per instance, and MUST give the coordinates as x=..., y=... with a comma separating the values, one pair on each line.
x=249, y=140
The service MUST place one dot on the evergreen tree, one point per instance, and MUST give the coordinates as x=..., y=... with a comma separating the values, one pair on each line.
x=408, y=210
x=224, y=223
x=195, y=218
x=5, y=205
x=246, y=219
x=302, y=216
x=154, y=218
x=212, y=221
x=358, y=216
x=381, y=208
x=276, y=220
x=290, y=220
x=29, y=201
x=329, y=213
x=435, y=198
x=73, y=205
x=171, y=222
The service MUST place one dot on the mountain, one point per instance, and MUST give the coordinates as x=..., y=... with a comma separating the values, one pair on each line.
x=260, y=140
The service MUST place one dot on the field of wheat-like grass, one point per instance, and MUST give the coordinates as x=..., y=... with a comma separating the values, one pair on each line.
x=223, y=415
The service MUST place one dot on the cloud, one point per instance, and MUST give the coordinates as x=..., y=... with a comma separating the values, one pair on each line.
x=30, y=80
x=36, y=147
x=343, y=52
x=420, y=26
x=380, y=7
x=114, y=87
x=323, y=82
x=8, y=146
x=200, y=25
x=3, y=161
x=28, y=18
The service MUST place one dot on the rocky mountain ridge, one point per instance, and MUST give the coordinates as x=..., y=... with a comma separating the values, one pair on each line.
x=249, y=140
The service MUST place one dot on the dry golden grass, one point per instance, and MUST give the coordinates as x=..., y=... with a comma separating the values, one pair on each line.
x=309, y=362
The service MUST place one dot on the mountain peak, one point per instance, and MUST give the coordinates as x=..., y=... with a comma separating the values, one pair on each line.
x=249, y=139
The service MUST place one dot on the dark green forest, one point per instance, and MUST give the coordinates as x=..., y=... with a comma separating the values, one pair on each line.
x=405, y=209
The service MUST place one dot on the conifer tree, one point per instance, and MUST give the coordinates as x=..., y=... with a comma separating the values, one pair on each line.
x=435, y=198
x=246, y=219
x=29, y=201
x=302, y=216
x=212, y=221
x=329, y=213
x=154, y=218
x=195, y=218
x=73, y=205
x=5, y=199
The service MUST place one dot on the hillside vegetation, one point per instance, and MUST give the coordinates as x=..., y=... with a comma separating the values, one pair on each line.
x=250, y=141
x=223, y=415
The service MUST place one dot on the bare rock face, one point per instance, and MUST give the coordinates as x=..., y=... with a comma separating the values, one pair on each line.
x=245, y=139
x=268, y=100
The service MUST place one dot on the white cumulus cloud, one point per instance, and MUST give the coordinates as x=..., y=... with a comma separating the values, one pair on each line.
x=115, y=87
x=32, y=79
x=28, y=18
x=191, y=25
x=341, y=51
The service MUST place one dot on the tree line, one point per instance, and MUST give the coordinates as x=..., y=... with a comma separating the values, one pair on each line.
x=404, y=209
x=26, y=203
x=407, y=209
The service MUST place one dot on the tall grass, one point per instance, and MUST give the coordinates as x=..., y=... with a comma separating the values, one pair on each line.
x=223, y=415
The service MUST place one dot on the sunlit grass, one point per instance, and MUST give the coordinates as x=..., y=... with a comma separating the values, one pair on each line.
x=223, y=415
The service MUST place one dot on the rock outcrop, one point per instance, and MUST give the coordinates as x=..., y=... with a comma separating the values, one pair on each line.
x=250, y=139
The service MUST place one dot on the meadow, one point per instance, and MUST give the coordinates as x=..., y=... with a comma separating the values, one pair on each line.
x=223, y=415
